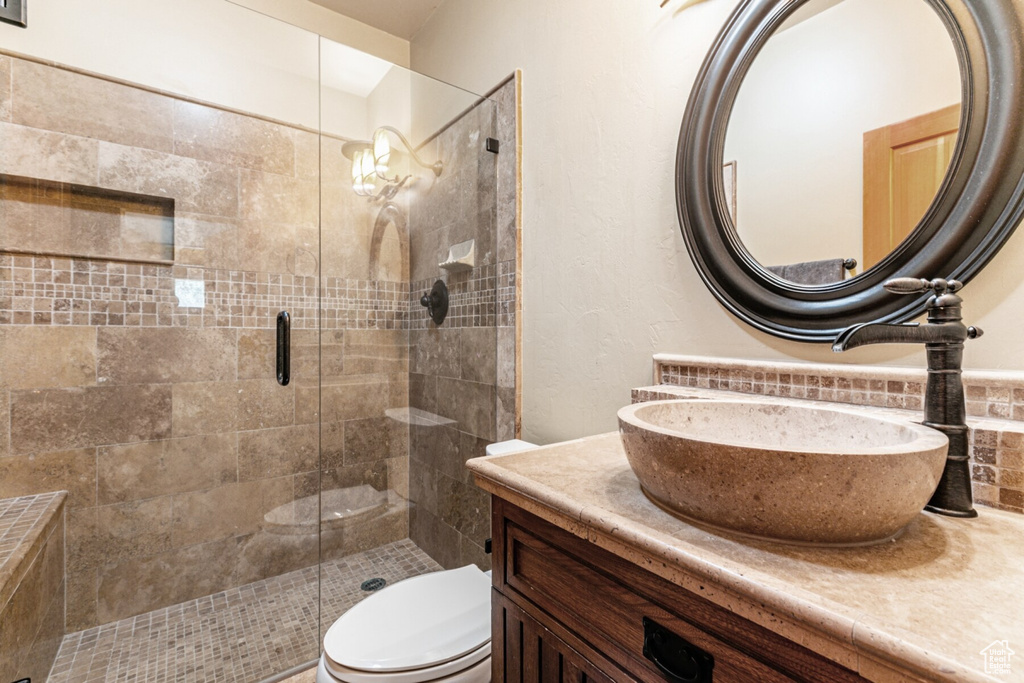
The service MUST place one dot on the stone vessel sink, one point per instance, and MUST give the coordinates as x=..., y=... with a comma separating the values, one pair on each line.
x=783, y=471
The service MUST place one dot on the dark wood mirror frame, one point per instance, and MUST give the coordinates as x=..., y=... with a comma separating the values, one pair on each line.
x=977, y=208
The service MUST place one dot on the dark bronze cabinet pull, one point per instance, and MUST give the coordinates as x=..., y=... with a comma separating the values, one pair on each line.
x=284, y=348
x=678, y=659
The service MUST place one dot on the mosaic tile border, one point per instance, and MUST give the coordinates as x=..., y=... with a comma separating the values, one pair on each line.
x=995, y=403
x=507, y=293
x=482, y=297
x=49, y=291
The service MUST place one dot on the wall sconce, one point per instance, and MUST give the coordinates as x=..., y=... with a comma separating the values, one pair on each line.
x=371, y=163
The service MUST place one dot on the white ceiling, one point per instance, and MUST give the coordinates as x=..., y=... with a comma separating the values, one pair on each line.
x=402, y=18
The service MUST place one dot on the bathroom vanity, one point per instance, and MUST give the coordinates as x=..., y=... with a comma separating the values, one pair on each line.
x=563, y=605
x=593, y=581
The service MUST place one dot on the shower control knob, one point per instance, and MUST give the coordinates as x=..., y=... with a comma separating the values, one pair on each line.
x=436, y=302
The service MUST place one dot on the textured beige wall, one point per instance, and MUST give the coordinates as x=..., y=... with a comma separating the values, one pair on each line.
x=607, y=280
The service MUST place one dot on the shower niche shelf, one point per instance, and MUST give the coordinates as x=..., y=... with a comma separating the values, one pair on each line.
x=461, y=257
x=68, y=220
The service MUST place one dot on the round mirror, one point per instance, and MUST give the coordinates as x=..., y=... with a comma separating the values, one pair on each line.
x=841, y=136
x=831, y=145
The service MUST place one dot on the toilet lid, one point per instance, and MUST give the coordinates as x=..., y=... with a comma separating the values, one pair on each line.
x=416, y=623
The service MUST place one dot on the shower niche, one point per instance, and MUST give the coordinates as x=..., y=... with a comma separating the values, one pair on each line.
x=68, y=220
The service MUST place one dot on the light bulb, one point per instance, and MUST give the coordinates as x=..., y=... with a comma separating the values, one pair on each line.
x=381, y=152
x=357, y=173
x=357, y=166
x=367, y=171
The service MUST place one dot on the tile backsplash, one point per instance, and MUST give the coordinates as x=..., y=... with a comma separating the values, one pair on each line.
x=995, y=404
x=989, y=394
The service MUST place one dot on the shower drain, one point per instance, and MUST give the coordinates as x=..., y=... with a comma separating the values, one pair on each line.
x=371, y=585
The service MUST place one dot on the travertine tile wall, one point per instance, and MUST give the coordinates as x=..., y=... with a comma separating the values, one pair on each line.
x=165, y=423
x=31, y=585
x=463, y=373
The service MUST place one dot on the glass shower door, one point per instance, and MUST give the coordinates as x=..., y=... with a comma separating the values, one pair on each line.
x=364, y=343
x=406, y=180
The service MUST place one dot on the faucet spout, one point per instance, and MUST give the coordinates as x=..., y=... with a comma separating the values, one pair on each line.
x=875, y=333
x=904, y=333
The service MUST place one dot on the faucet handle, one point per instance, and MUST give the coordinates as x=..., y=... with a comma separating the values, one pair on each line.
x=913, y=285
x=908, y=285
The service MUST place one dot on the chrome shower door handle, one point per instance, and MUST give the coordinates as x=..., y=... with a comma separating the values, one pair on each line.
x=284, y=348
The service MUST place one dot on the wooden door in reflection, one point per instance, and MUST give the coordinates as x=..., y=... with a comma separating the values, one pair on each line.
x=904, y=166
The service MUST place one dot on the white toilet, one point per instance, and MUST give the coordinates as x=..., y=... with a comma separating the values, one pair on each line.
x=433, y=627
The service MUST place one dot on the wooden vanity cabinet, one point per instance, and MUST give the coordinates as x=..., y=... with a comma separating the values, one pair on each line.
x=565, y=610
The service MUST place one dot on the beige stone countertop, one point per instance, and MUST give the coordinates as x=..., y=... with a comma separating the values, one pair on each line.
x=922, y=607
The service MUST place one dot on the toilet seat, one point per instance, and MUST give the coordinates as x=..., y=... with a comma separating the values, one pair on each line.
x=480, y=657
x=476, y=673
x=421, y=629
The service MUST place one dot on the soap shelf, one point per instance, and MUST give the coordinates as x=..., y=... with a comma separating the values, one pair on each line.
x=461, y=257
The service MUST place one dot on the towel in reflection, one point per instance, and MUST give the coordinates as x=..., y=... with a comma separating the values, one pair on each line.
x=812, y=272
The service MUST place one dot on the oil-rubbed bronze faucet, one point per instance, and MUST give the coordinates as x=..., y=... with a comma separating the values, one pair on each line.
x=943, y=336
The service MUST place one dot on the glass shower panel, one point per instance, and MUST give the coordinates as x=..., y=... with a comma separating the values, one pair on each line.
x=148, y=242
x=453, y=366
x=405, y=178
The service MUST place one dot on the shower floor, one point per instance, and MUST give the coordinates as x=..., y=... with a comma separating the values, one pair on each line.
x=245, y=634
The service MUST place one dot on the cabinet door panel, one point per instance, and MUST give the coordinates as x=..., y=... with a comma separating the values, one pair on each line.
x=525, y=651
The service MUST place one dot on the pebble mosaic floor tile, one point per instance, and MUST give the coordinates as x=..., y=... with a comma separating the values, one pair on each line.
x=243, y=635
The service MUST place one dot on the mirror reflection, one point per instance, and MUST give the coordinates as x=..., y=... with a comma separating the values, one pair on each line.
x=841, y=136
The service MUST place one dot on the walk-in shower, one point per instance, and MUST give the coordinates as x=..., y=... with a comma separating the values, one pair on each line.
x=218, y=518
